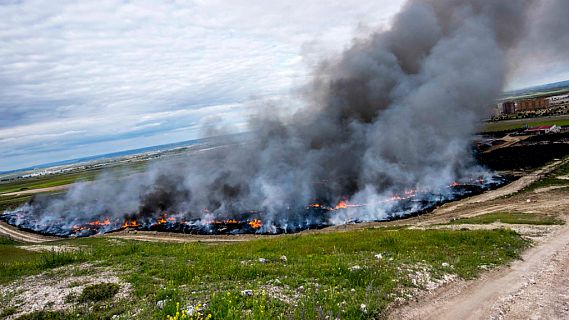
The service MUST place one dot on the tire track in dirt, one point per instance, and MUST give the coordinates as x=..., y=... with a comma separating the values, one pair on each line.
x=16, y=234
x=534, y=287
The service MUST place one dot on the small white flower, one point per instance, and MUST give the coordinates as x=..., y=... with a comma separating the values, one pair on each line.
x=355, y=268
x=247, y=293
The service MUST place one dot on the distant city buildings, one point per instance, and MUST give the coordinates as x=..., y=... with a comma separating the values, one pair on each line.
x=531, y=104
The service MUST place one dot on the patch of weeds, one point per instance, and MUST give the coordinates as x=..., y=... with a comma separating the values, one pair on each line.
x=74, y=284
x=70, y=298
x=185, y=314
x=234, y=305
x=82, y=271
x=4, y=240
x=43, y=315
x=55, y=259
x=18, y=262
x=551, y=179
x=510, y=218
x=98, y=292
x=8, y=312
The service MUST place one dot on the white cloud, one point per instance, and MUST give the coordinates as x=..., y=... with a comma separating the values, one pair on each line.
x=78, y=74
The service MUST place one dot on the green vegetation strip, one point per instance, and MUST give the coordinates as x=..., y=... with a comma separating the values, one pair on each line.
x=508, y=125
x=298, y=276
x=552, y=179
x=510, y=218
x=46, y=181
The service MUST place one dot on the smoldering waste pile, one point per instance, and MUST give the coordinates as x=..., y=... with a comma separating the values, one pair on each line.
x=385, y=130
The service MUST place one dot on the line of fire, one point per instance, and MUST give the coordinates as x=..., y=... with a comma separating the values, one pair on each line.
x=315, y=215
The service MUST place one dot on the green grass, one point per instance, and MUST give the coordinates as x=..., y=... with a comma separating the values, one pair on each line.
x=47, y=181
x=510, y=218
x=551, y=179
x=17, y=262
x=44, y=315
x=7, y=312
x=11, y=202
x=507, y=125
x=318, y=274
x=99, y=292
x=54, y=180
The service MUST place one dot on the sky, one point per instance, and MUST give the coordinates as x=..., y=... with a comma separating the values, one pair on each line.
x=81, y=78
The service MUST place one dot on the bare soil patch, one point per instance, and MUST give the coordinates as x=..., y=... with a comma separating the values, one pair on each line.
x=48, y=248
x=54, y=290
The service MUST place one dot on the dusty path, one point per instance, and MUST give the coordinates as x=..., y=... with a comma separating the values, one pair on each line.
x=536, y=287
x=22, y=236
x=39, y=190
x=506, y=190
x=509, y=141
x=152, y=236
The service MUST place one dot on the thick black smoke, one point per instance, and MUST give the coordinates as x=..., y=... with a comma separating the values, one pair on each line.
x=395, y=111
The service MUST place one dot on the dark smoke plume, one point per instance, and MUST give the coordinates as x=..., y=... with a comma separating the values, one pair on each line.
x=395, y=111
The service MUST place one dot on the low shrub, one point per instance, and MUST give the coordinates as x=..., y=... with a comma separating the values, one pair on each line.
x=99, y=292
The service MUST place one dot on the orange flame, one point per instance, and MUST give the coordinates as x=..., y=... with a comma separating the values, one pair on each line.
x=128, y=223
x=256, y=223
x=97, y=223
x=341, y=205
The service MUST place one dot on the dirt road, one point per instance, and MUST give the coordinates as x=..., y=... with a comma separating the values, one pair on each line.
x=22, y=236
x=153, y=236
x=536, y=287
x=39, y=190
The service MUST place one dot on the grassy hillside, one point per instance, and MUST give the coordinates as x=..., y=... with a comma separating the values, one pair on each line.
x=351, y=275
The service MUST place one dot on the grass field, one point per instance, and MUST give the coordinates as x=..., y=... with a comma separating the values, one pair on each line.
x=11, y=201
x=333, y=274
x=47, y=181
x=507, y=125
x=510, y=218
x=552, y=179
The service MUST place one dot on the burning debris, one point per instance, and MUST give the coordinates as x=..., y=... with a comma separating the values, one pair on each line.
x=316, y=215
x=384, y=130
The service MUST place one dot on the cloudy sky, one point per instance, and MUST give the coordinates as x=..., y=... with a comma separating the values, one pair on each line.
x=80, y=78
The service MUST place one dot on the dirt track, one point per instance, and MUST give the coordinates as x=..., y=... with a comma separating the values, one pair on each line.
x=536, y=287
x=39, y=190
x=22, y=236
x=152, y=236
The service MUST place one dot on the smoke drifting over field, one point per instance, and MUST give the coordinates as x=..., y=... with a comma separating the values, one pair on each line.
x=394, y=112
